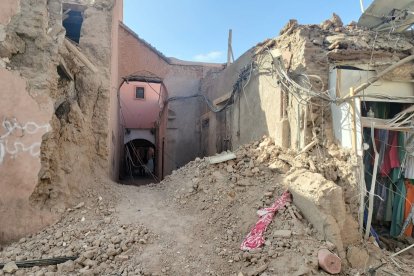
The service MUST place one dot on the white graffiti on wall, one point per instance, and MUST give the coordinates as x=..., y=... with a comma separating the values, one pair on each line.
x=14, y=129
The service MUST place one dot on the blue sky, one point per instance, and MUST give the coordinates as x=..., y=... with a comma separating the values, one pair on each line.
x=197, y=30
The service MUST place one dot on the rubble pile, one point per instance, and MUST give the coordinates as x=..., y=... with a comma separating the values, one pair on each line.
x=212, y=207
x=90, y=232
x=229, y=194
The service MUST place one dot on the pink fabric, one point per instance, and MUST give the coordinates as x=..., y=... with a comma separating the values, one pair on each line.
x=255, y=238
x=394, y=157
x=391, y=158
x=385, y=168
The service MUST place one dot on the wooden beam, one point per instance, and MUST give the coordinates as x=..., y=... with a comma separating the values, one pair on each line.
x=382, y=124
x=205, y=116
x=222, y=99
x=65, y=69
x=230, y=49
x=373, y=183
x=72, y=48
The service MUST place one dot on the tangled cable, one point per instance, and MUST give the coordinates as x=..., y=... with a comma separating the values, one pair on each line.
x=244, y=75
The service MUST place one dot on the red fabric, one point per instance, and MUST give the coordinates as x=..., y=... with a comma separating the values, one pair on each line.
x=255, y=238
x=394, y=156
x=385, y=168
x=391, y=157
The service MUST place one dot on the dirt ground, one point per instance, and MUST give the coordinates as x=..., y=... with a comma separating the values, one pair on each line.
x=192, y=223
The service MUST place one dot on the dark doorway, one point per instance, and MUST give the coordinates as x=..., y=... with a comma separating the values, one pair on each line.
x=139, y=162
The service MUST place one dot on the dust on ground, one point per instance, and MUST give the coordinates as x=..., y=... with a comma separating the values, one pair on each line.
x=192, y=223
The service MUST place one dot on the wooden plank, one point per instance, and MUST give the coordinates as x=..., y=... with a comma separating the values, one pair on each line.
x=75, y=51
x=222, y=99
x=382, y=124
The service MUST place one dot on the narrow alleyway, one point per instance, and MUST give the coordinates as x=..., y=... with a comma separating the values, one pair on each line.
x=192, y=223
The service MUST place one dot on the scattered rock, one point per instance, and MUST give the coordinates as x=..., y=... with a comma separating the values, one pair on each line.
x=282, y=233
x=68, y=266
x=10, y=267
x=357, y=257
x=80, y=205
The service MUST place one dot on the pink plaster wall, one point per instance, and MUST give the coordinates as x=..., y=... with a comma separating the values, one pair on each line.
x=182, y=138
x=138, y=113
x=115, y=137
x=8, y=9
x=22, y=126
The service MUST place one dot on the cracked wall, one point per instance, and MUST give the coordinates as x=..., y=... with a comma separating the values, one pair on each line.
x=54, y=139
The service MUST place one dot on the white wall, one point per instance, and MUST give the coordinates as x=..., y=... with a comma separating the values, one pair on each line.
x=340, y=82
x=139, y=134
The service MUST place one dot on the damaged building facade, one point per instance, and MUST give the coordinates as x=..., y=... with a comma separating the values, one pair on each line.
x=87, y=99
x=55, y=107
x=324, y=90
x=68, y=67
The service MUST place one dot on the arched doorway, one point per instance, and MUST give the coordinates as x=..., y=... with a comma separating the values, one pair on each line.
x=139, y=163
x=143, y=113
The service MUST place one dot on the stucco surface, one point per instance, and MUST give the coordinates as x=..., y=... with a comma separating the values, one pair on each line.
x=140, y=113
x=254, y=113
x=22, y=125
x=115, y=137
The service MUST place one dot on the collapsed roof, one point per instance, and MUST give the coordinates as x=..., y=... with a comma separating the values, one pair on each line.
x=385, y=15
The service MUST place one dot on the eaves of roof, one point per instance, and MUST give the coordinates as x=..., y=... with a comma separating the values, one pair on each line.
x=148, y=45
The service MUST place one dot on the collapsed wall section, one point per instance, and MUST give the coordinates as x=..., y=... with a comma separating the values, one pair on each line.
x=302, y=121
x=54, y=114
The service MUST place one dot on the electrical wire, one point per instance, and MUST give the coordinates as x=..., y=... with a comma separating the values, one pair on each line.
x=237, y=87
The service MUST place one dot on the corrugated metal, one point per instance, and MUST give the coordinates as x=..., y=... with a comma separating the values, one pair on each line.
x=386, y=15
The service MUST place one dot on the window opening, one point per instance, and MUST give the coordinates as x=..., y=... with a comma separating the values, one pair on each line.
x=139, y=93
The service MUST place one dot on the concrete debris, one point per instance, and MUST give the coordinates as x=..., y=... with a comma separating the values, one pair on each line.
x=321, y=202
x=10, y=267
x=209, y=221
x=223, y=157
x=202, y=210
x=329, y=261
x=357, y=257
x=80, y=205
x=99, y=244
x=282, y=234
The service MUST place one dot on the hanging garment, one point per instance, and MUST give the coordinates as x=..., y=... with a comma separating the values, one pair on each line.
x=382, y=192
x=409, y=161
x=409, y=200
x=394, y=151
x=398, y=207
x=390, y=201
x=383, y=144
x=409, y=221
x=409, y=167
x=255, y=238
x=390, y=157
x=377, y=199
x=385, y=167
x=401, y=152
